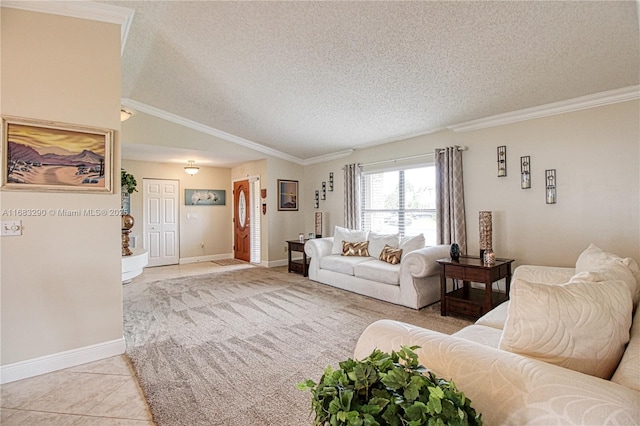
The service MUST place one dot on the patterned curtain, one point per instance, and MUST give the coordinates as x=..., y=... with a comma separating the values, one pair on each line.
x=352, y=175
x=450, y=221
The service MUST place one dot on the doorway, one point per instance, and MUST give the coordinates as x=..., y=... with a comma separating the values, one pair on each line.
x=161, y=215
x=246, y=220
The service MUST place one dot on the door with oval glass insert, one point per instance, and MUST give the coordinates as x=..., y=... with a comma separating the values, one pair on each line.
x=241, y=219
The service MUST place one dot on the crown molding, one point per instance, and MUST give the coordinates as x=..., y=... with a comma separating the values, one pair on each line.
x=157, y=112
x=327, y=157
x=583, y=102
x=84, y=10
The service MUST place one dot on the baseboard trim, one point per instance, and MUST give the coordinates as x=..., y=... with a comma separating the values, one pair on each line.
x=196, y=259
x=58, y=361
x=275, y=263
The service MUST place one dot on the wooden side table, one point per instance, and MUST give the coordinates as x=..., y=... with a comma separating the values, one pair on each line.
x=472, y=301
x=298, y=265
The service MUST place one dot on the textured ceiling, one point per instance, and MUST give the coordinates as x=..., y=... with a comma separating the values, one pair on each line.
x=313, y=78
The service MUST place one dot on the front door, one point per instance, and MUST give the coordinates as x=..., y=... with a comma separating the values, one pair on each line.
x=161, y=203
x=241, y=219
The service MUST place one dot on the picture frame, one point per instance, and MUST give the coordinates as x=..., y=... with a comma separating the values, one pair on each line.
x=45, y=156
x=205, y=197
x=287, y=195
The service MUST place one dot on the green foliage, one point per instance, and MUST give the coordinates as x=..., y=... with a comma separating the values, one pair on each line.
x=128, y=181
x=385, y=389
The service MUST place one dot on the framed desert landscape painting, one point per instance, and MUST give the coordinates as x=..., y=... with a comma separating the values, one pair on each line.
x=287, y=195
x=48, y=156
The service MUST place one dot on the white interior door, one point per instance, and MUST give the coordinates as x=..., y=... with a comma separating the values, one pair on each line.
x=161, y=204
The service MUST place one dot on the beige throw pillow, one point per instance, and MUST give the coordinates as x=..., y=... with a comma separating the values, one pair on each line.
x=583, y=326
x=355, y=249
x=391, y=255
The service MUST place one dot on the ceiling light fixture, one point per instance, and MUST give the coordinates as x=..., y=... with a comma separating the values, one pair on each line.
x=191, y=168
x=125, y=114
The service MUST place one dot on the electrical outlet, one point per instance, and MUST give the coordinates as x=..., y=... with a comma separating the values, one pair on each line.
x=201, y=245
x=285, y=249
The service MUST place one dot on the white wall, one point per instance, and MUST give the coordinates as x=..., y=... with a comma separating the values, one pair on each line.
x=61, y=280
x=210, y=225
x=595, y=153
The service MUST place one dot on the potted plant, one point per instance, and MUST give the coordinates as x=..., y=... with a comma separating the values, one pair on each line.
x=385, y=389
x=128, y=182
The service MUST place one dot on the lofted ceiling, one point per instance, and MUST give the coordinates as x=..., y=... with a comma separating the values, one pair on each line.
x=309, y=80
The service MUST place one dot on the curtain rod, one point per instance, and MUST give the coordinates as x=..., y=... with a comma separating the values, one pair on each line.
x=430, y=154
x=460, y=148
x=398, y=159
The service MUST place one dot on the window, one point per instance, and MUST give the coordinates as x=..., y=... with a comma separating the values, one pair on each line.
x=400, y=201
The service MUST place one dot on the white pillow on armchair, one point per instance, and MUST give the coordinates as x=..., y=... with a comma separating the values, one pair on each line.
x=583, y=326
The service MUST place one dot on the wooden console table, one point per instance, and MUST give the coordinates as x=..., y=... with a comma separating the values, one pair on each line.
x=298, y=265
x=472, y=301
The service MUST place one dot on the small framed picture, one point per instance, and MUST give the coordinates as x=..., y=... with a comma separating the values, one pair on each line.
x=287, y=195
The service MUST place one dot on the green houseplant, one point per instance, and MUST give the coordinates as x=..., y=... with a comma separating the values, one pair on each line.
x=385, y=389
x=128, y=182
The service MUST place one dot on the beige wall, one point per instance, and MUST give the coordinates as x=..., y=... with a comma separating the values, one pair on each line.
x=210, y=225
x=595, y=153
x=61, y=280
x=284, y=225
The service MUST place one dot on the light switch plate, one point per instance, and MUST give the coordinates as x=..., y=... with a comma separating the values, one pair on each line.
x=11, y=227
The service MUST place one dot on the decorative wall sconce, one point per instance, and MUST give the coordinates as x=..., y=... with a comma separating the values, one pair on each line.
x=330, y=181
x=525, y=172
x=317, y=199
x=550, y=185
x=502, y=161
x=324, y=190
x=191, y=168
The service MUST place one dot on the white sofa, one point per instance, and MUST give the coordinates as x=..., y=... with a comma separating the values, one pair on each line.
x=521, y=364
x=414, y=282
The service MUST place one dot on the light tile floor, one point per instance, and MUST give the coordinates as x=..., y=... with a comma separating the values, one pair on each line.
x=100, y=393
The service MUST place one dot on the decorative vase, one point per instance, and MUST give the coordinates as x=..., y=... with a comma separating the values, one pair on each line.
x=125, y=201
x=455, y=252
x=127, y=224
x=486, y=230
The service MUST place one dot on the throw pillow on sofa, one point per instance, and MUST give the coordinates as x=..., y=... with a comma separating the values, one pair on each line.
x=341, y=234
x=391, y=255
x=582, y=326
x=378, y=241
x=608, y=266
x=409, y=244
x=355, y=249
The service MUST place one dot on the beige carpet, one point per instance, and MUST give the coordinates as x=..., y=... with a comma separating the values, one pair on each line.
x=228, y=348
